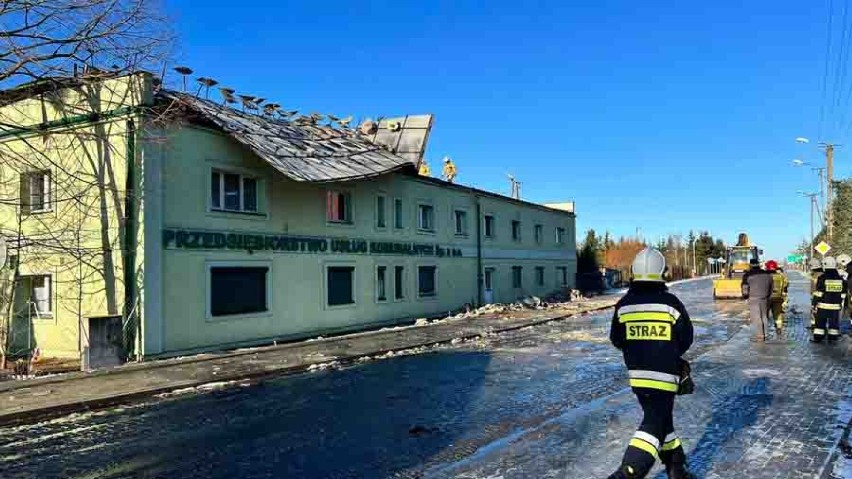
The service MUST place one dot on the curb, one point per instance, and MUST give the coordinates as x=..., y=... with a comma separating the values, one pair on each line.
x=48, y=412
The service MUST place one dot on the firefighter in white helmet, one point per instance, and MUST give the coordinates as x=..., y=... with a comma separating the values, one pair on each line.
x=827, y=300
x=652, y=329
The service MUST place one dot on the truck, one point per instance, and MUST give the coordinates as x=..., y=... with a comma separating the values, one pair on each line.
x=729, y=284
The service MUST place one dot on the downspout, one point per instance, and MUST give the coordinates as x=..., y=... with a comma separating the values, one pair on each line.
x=479, y=272
x=129, y=267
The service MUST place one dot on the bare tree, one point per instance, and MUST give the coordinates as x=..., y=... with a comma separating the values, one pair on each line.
x=85, y=139
x=47, y=38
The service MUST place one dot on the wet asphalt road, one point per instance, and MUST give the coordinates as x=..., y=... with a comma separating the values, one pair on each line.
x=548, y=401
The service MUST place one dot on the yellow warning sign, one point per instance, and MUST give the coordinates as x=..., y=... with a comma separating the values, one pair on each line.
x=822, y=248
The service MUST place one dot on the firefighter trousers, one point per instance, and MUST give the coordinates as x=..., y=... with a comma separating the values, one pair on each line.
x=655, y=438
x=776, y=312
x=827, y=324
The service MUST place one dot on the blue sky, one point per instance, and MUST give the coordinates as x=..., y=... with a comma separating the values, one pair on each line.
x=663, y=116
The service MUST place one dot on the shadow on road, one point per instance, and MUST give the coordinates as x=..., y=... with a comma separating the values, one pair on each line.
x=731, y=415
x=374, y=420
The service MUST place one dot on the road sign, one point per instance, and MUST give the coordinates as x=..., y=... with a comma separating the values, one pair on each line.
x=822, y=248
x=795, y=258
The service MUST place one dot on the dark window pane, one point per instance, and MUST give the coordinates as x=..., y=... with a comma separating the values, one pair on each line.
x=232, y=191
x=539, y=276
x=215, y=192
x=397, y=214
x=516, y=277
x=489, y=226
x=249, y=194
x=426, y=217
x=340, y=285
x=381, y=288
x=380, y=211
x=237, y=290
x=398, y=274
x=426, y=280
x=516, y=230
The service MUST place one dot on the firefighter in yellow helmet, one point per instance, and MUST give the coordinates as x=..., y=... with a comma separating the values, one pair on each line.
x=779, y=294
x=652, y=329
x=424, y=169
x=449, y=169
x=827, y=299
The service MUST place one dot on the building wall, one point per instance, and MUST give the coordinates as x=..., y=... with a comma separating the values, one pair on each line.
x=87, y=165
x=178, y=320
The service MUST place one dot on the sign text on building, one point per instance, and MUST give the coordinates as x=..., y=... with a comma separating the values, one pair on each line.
x=250, y=242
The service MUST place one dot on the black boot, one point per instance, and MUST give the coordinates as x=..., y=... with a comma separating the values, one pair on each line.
x=623, y=472
x=676, y=466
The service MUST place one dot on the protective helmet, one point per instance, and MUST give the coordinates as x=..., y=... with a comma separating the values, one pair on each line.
x=829, y=262
x=771, y=265
x=754, y=263
x=649, y=265
x=815, y=263
x=843, y=260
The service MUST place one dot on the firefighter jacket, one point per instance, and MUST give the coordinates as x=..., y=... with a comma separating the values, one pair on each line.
x=757, y=284
x=652, y=329
x=779, y=285
x=830, y=291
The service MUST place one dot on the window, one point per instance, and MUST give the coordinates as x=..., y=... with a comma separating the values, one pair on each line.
x=539, y=275
x=381, y=283
x=338, y=207
x=381, y=212
x=35, y=191
x=516, y=230
x=238, y=290
x=426, y=217
x=341, y=285
x=233, y=192
x=562, y=275
x=517, y=277
x=460, y=217
x=489, y=279
x=397, y=214
x=399, y=282
x=489, y=226
x=539, y=232
x=560, y=235
x=40, y=295
x=426, y=281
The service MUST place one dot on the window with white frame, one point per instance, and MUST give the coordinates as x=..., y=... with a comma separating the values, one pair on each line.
x=427, y=281
x=560, y=235
x=539, y=233
x=35, y=191
x=40, y=295
x=338, y=207
x=516, y=230
x=381, y=283
x=399, y=283
x=460, y=219
x=233, y=192
x=397, y=214
x=340, y=285
x=238, y=290
x=488, y=225
x=381, y=211
x=425, y=217
x=517, y=277
x=539, y=275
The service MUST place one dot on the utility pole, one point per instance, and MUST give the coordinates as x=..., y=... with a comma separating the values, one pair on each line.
x=829, y=176
x=821, y=172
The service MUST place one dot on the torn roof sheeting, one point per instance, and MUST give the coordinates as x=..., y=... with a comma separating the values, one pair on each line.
x=303, y=152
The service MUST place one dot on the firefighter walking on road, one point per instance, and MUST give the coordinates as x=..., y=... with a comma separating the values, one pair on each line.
x=757, y=287
x=779, y=294
x=827, y=300
x=652, y=329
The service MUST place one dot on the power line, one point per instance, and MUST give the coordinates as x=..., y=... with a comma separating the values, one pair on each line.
x=825, y=69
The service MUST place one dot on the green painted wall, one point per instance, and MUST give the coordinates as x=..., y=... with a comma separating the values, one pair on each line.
x=297, y=279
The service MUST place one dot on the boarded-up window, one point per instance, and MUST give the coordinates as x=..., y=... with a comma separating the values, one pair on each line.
x=340, y=285
x=238, y=290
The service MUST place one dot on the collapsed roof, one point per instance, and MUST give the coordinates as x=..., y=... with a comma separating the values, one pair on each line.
x=301, y=151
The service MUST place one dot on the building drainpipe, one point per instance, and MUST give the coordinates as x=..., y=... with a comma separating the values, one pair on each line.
x=130, y=312
x=479, y=273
